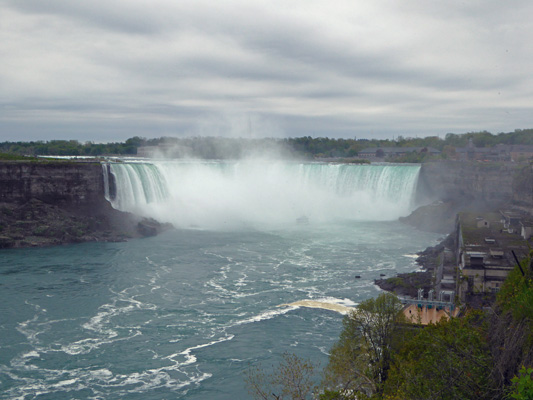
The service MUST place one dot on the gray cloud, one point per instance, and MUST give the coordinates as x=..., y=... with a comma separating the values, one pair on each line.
x=109, y=70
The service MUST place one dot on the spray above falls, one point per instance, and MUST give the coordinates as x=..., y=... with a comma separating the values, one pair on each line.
x=231, y=194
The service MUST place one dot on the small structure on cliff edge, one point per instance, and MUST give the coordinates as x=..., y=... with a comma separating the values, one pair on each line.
x=431, y=310
x=472, y=266
x=483, y=254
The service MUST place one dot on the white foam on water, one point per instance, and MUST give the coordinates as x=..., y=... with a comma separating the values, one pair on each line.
x=85, y=346
x=329, y=303
x=265, y=315
x=31, y=354
x=413, y=256
x=187, y=353
x=64, y=383
x=101, y=374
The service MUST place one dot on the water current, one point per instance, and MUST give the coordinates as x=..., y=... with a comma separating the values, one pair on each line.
x=184, y=314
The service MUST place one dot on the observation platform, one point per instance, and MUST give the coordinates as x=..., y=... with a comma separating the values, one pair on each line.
x=425, y=311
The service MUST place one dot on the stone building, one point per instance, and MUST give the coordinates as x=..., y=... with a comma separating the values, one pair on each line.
x=484, y=251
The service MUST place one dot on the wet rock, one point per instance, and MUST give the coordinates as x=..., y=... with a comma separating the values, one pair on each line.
x=148, y=227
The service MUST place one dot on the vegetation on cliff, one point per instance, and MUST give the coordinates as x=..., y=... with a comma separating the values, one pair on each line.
x=481, y=355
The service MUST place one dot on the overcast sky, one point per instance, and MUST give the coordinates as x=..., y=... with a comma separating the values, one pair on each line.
x=107, y=70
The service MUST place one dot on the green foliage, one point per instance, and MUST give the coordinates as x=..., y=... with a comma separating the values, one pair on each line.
x=414, y=157
x=307, y=146
x=360, y=360
x=397, y=281
x=449, y=360
x=291, y=379
x=14, y=157
x=66, y=148
x=516, y=294
x=522, y=388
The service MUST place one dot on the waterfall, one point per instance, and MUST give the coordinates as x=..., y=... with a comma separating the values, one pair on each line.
x=225, y=194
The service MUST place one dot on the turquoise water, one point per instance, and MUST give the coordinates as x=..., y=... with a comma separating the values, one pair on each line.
x=182, y=315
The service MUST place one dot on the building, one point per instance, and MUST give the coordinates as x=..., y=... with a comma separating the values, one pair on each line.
x=381, y=153
x=430, y=310
x=500, y=152
x=484, y=251
x=526, y=229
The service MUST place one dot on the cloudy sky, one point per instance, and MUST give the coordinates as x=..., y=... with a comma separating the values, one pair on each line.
x=107, y=70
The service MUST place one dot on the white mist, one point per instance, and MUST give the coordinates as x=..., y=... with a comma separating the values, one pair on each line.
x=231, y=195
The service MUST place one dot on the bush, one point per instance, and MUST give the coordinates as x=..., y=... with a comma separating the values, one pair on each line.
x=522, y=385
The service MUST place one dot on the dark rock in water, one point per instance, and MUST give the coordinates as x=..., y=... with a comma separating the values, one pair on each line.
x=381, y=274
x=357, y=276
x=151, y=227
x=406, y=284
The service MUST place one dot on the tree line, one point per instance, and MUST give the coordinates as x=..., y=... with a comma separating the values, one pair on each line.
x=227, y=148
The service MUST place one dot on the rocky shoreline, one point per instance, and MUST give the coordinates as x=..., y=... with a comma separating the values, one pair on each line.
x=437, y=217
x=36, y=223
x=407, y=284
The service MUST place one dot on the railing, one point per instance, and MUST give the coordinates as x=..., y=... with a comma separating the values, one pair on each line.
x=429, y=303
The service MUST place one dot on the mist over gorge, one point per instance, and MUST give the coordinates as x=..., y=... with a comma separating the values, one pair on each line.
x=229, y=195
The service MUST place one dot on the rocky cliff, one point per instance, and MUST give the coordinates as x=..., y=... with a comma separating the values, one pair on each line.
x=55, y=202
x=451, y=187
x=523, y=188
x=476, y=182
x=60, y=183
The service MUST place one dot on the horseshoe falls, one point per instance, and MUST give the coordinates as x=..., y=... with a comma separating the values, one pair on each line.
x=242, y=278
x=232, y=195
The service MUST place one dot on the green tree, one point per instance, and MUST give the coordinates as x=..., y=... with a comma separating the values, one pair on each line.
x=448, y=360
x=291, y=379
x=360, y=361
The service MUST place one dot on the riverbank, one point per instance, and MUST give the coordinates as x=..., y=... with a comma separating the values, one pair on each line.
x=36, y=223
x=407, y=284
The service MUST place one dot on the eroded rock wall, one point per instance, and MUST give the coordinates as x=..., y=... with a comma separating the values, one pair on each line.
x=474, y=182
x=523, y=188
x=59, y=183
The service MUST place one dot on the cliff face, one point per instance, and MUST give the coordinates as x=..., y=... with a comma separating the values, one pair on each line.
x=465, y=182
x=51, y=202
x=59, y=183
x=523, y=188
x=470, y=186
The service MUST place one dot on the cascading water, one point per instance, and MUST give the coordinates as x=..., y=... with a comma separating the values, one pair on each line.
x=227, y=195
x=185, y=314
